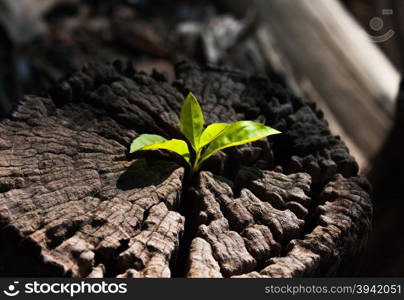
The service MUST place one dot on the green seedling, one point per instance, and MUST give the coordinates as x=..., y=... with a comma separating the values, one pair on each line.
x=204, y=142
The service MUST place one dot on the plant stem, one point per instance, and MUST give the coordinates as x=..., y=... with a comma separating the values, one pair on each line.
x=195, y=165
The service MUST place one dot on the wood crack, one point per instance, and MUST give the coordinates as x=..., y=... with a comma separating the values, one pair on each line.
x=73, y=202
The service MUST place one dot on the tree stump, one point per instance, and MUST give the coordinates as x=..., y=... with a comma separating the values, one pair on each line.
x=73, y=202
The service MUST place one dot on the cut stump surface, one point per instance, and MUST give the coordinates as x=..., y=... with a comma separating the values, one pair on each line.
x=73, y=202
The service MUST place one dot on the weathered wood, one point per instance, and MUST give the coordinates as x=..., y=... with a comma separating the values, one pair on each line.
x=325, y=54
x=391, y=14
x=73, y=202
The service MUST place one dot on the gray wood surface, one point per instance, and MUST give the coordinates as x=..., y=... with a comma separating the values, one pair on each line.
x=326, y=55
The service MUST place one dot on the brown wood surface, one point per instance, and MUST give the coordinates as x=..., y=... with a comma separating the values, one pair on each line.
x=329, y=58
x=73, y=202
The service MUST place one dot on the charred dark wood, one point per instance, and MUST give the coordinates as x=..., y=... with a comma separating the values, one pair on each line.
x=73, y=202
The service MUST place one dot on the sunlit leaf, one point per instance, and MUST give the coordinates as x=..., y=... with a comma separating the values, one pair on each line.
x=238, y=133
x=178, y=146
x=212, y=132
x=191, y=119
x=214, y=138
x=144, y=140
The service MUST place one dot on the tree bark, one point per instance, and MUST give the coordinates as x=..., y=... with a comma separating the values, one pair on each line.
x=73, y=202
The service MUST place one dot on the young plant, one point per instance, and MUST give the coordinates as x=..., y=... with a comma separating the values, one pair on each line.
x=204, y=142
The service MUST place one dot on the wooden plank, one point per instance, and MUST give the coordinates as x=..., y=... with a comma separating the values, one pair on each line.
x=321, y=44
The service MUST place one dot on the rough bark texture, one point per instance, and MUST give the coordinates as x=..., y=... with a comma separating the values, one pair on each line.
x=73, y=202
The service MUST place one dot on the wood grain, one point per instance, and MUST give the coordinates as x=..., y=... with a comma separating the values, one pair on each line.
x=73, y=202
x=329, y=57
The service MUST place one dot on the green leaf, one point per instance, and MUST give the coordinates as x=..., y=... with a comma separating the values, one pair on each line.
x=144, y=140
x=178, y=146
x=154, y=142
x=238, y=133
x=212, y=132
x=191, y=120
